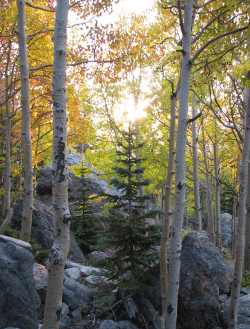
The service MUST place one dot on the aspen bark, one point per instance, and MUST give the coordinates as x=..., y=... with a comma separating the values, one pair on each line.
x=7, y=181
x=218, y=236
x=209, y=198
x=168, y=208
x=240, y=238
x=197, y=206
x=180, y=184
x=247, y=225
x=60, y=248
x=26, y=136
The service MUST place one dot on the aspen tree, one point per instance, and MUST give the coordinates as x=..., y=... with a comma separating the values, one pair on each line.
x=7, y=210
x=26, y=135
x=60, y=248
x=247, y=227
x=210, y=220
x=197, y=206
x=180, y=185
x=240, y=238
x=218, y=236
x=168, y=207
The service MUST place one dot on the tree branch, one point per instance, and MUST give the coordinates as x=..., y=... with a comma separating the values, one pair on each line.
x=181, y=18
x=40, y=8
x=206, y=26
x=195, y=118
x=215, y=39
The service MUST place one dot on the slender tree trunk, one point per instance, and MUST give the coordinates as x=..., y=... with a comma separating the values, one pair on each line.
x=218, y=235
x=26, y=137
x=139, y=176
x=235, y=201
x=59, y=251
x=167, y=209
x=240, y=239
x=209, y=198
x=247, y=228
x=180, y=184
x=7, y=181
x=198, y=223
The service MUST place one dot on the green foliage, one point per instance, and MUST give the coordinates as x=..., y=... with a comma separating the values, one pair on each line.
x=130, y=236
x=185, y=231
x=246, y=279
x=13, y=232
x=40, y=255
x=86, y=234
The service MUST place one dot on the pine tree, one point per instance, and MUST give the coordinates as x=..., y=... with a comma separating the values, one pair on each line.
x=87, y=230
x=130, y=237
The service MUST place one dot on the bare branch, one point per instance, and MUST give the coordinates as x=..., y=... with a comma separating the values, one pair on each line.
x=217, y=38
x=195, y=118
x=204, y=4
x=181, y=18
x=207, y=25
x=40, y=8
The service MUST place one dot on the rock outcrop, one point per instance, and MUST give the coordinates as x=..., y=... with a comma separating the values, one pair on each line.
x=19, y=300
x=203, y=277
x=43, y=228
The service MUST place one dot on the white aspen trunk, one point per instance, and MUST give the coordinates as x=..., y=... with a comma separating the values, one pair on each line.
x=7, y=181
x=60, y=248
x=197, y=206
x=235, y=201
x=209, y=198
x=139, y=177
x=180, y=184
x=218, y=236
x=167, y=209
x=247, y=227
x=240, y=239
x=26, y=136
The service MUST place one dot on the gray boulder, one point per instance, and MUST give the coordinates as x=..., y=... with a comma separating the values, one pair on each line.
x=43, y=228
x=203, y=277
x=66, y=321
x=243, y=311
x=41, y=279
x=19, y=300
x=227, y=228
x=75, y=294
x=127, y=325
x=108, y=324
x=94, y=184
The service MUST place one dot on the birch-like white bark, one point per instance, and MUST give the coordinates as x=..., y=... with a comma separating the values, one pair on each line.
x=26, y=135
x=180, y=184
x=218, y=236
x=197, y=206
x=168, y=207
x=240, y=238
x=210, y=219
x=247, y=227
x=7, y=180
x=60, y=248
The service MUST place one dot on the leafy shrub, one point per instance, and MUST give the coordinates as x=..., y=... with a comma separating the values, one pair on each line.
x=246, y=279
